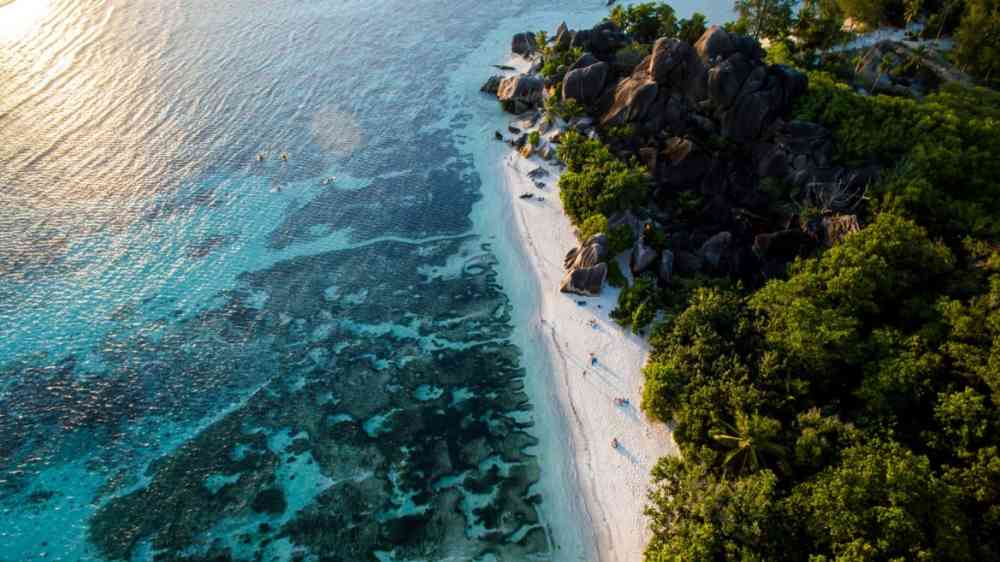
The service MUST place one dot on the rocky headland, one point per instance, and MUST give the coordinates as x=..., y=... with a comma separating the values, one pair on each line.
x=711, y=124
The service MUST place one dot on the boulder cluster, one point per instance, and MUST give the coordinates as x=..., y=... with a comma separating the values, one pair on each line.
x=586, y=267
x=711, y=123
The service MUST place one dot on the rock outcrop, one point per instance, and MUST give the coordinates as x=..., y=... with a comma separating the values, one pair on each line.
x=716, y=253
x=523, y=44
x=665, y=273
x=522, y=92
x=586, y=268
x=642, y=257
x=711, y=122
x=683, y=163
x=492, y=84
x=585, y=84
x=586, y=281
x=633, y=98
x=723, y=76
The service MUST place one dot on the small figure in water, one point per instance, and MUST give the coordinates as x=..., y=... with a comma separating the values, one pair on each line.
x=284, y=156
x=260, y=156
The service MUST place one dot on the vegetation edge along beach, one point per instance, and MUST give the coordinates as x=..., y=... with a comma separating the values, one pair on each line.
x=799, y=211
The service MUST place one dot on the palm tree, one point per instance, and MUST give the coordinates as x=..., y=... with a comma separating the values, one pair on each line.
x=751, y=439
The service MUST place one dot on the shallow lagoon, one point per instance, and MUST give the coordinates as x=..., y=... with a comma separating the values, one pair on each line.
x=210, y=357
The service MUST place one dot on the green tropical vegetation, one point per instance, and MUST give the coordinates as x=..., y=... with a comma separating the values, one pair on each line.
x=648, y=21
x=765, y=18
x=596, y=181
x=846, y=410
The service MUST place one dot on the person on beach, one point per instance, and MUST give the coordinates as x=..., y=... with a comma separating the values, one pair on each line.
x=593, y=358
x=614, y=443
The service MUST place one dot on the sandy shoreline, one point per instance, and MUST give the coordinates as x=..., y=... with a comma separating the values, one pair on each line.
x=612, y=483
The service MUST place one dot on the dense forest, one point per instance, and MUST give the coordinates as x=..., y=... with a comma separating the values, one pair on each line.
x=841, y=404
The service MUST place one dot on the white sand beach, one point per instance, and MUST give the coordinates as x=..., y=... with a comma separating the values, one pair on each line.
x=594, y=495
x=575, y=399
x=613, y=482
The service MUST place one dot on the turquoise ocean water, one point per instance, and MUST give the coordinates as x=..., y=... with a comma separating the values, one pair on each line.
x=209, y=356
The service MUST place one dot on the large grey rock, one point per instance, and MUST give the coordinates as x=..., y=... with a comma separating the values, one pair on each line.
x=586, y=281
x=586, y=267
x=726, y=80
x=585, y=60
x=492, y=84
x=523, y=88
x=585, y=84
x=666, y=270
x=796, y=148
x=632, y=99
x=523, y=44
x=675, y=66
x=564, y=38
x=715, y=251
x=686, y=163
x=641, y=258
x=765, y=95
x=714, y=44
x=771, y=160
x=603, y=39
x=593, y=251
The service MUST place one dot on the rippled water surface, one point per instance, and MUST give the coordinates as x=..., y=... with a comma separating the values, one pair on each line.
x=206, y=355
